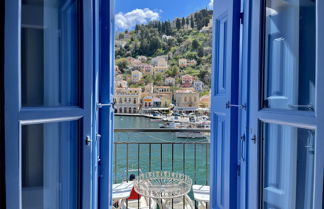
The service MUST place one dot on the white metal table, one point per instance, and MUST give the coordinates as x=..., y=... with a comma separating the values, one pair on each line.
x=120, y=192
x=163, y=186
x=201, y=194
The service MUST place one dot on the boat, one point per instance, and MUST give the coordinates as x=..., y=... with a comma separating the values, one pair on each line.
x=191, y=135
x=170, y=124
x=156, y=120
x=203, y=124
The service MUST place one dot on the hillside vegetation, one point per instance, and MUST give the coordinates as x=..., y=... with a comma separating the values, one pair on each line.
x=187, y=37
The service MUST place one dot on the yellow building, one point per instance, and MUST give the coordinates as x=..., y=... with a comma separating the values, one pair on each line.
x=127, y=100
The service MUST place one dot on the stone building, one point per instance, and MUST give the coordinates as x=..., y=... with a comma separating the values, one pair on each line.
x=185, y=98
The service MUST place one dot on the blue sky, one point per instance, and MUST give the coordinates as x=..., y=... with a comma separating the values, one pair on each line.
x=131, y=12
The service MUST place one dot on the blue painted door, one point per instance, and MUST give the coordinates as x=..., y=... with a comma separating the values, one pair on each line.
x=106, y=93
x=48, y=104
x=224, y=135
x=285, y=164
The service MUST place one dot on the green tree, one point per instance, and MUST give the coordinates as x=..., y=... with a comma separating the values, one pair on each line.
x=122, y=64
x=195, y=44
x=137, y=28
x=154, y=45
x=178, y=24
x=168, y=29
x=163, y=27
x=158, y=79
x=174, y=70
x=148, y=79
x=192, y=23
x=121, y=36
x=200, y=52
x=183, y=22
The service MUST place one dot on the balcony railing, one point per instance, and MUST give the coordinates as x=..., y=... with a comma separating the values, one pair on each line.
x=135, y=152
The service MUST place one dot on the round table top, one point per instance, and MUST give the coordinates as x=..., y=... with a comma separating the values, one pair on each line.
x=162, y=184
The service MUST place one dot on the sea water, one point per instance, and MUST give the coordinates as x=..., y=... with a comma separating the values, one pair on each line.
x=185, y=159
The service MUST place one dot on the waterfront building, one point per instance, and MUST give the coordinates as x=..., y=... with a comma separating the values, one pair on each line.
x=136, y=76
x=198, y=85
x=169, y=81
x=186, y=81
x=127, y=100
x=165, y=98
x=147, y=102
x=186, y=98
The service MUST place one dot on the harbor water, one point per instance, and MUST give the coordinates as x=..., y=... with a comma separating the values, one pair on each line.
x=191, y=159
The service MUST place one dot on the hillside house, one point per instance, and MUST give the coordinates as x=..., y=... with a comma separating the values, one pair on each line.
x=186, y=81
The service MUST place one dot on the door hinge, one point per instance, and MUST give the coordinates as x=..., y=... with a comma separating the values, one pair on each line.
x=242, y=18
x=98, y=136
x=238, y=169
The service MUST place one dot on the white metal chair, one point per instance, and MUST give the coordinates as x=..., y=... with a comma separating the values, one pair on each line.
x=142, y=203
x=201, y=195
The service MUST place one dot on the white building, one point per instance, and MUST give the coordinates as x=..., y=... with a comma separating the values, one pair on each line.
x=169, y=81
x=185, y=62
x=136, y=76
x=198, y=85
x=159, y=61
x=182, y=62
x=121, y=84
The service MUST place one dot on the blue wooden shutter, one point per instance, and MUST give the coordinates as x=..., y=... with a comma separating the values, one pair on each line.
x=106, y=91
x=224, y=91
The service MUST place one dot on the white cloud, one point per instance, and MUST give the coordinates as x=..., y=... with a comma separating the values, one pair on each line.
x=211, y=4
x=136, y=16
